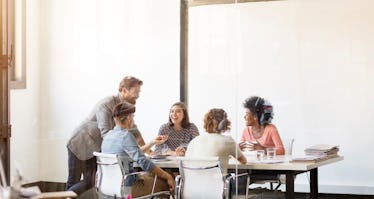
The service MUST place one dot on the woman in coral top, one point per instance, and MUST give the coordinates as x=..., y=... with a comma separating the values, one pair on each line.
x=260, y=134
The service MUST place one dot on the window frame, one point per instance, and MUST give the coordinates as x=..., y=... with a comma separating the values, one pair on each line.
x=17, y=44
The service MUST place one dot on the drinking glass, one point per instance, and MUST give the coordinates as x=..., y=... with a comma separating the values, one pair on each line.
x=288, y=144
x=270, y=153
x=164, y=149
x=260, y=155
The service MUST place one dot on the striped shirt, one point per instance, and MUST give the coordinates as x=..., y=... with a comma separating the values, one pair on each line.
x=177, y=138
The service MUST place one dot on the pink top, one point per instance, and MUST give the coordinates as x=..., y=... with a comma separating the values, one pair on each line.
x=270, y=138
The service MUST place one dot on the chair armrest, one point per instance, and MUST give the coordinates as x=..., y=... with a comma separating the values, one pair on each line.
x=57, y=195
x=178, y=186
x=134, y=173
x=232, y=176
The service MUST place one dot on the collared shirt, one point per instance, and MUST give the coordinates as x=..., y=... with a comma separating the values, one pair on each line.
x=87, y=137
x=103, y=115
x=119, y=141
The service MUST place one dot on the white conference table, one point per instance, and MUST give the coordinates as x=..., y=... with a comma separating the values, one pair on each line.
x=290, y=169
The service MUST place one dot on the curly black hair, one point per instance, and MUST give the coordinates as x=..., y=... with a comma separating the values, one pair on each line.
x=261, y=108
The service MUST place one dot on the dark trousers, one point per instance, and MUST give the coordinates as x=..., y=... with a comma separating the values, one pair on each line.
x=76, y=169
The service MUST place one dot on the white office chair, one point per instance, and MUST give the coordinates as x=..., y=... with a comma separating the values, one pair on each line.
x=203, y=179
x=111, y=177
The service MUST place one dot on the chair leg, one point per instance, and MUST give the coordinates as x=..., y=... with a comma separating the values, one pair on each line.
x=154, y=184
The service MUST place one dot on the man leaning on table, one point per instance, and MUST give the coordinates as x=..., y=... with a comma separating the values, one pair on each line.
x=87, y=137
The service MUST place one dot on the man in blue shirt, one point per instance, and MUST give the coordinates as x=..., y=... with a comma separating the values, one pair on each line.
x=121, y=142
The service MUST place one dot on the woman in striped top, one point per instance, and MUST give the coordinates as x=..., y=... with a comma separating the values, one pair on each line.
x=179, y=129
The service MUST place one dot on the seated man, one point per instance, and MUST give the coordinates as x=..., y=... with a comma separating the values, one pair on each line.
x=119, y=141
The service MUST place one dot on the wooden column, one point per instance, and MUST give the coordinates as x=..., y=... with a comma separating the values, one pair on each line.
x=184, y=51
x=6, y=18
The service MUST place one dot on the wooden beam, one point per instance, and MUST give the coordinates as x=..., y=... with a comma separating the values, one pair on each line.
x=4, y=90
x=211, y=2
x=17, y=63
x=184, y=52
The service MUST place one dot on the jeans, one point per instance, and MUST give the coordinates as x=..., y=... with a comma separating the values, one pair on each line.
x=76, y=169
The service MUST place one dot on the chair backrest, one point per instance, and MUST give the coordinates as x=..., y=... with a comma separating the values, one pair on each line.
x=201, y=178
x=110, y=174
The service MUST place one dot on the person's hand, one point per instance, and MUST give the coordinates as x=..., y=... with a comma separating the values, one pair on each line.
x=171, y=183
x=246, y=146
x=258, y=146
x=180, y=151
x=152, y=153
x=160, y=139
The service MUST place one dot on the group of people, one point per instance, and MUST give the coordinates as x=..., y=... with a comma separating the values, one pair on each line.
x=110, y=128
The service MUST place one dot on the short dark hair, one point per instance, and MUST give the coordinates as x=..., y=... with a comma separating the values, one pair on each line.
x=129, y=82
x=122, y=110
x=260, y=108
x=186, y=119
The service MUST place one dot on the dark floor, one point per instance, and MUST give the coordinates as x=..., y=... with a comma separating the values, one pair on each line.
x=266, y=195
x=255, y=194
x=332, y=196
x=281, y=195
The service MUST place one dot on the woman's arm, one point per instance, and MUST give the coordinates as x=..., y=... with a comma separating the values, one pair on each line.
x=242, y=159
x=277, y=140
x=193, y=131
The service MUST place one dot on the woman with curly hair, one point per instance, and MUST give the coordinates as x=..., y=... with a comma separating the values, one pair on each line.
x=214, y=143
x=260, y=133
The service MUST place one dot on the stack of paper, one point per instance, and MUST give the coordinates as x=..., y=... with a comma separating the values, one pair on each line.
x=317, y=153
x=322, y=150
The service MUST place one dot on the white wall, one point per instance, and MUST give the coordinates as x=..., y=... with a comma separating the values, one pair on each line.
x=82, y=49
x=314, y=60
x=25, y=111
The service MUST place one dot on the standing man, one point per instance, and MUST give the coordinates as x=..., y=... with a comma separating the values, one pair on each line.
x=88, y=136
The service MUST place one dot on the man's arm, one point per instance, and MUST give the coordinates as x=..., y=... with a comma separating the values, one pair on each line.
x=105, y=121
